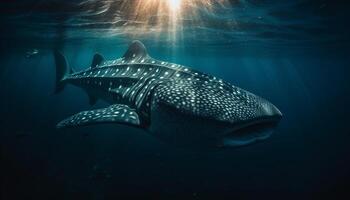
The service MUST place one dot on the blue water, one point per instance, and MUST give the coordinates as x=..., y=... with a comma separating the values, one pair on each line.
x=293, y=53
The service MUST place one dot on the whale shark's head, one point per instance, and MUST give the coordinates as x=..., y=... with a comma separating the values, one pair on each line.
x=213, y=113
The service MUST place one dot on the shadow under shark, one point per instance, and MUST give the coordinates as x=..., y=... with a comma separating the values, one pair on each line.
x=176, y=104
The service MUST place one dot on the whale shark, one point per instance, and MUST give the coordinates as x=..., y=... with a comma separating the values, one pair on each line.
x=175, y=103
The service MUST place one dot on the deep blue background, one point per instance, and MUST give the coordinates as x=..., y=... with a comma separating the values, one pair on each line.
x=307, y=157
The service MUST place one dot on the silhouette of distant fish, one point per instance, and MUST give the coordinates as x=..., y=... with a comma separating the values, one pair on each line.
x=31, y=53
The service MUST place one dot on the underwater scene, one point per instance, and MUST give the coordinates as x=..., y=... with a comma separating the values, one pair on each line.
x=174, y=99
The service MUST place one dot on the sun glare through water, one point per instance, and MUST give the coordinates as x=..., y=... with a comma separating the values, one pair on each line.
x=174, y=5
x=167, y=18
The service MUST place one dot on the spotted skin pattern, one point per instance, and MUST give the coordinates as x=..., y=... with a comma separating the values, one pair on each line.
x=210, y=100
x=148, y=93
x=113, y=114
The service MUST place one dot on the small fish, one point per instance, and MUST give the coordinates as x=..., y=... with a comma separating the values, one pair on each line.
x=31, y=53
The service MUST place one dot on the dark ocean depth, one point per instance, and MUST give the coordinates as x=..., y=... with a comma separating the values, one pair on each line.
x=293, y=53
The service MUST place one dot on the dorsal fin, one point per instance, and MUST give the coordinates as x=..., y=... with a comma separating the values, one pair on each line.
x=97, y=60
x=136, y=50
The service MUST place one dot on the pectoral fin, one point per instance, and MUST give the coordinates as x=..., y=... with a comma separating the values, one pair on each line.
x=118, y=113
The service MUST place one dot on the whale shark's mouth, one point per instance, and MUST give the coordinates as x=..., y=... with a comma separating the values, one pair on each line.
x=249, y=133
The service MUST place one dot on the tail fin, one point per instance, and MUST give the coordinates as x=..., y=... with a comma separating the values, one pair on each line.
x=62, y=70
